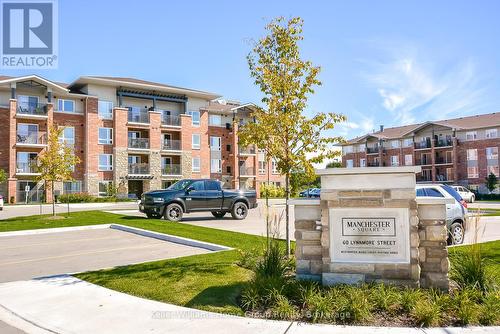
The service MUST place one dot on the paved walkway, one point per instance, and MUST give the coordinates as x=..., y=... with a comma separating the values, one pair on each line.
x=65, y=304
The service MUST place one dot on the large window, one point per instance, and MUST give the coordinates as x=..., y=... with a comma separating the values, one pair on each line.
x=472, y=154
x=349, y=163
x=394, y=160
x=472, y=172
x=196, y=165
x=215, y=120
x=196, y=141
x=27, y=133
x=394, y=143
x=492, y=153
x=362, y=162
x=407, y=142
x=26, y=162
x=27, y=102
x=408, y=159
x=274, y=167
x=471, y=135
x=491, y=133
x=65, y=105
x=67, y=136
x=215, y=143
x=105, y=162
x=215, y=166
x=105, y=136
x=105, y=109
x=347, y=149
x=262, y=167
x=195, y=117
x=72, y=187
x=105, y=188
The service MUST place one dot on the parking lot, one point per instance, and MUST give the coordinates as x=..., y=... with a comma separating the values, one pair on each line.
x=27, y=256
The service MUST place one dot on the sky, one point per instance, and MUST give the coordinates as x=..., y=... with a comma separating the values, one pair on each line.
x=387, y=62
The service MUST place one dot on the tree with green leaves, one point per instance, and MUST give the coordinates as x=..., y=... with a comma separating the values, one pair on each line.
x=491, y=182
x=3, y=176
x=56, y=162
x=334, y=164
x=286, y=82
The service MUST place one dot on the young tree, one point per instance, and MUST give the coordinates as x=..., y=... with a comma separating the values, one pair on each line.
x=3, y=176
x=491, y=182
x=334, y=164
x=56, y=162
x=286, y=81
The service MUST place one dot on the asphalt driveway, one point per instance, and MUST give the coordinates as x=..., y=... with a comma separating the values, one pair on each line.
x=24, y=257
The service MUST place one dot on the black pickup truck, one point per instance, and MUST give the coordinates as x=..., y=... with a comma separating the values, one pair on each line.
x=195, y=195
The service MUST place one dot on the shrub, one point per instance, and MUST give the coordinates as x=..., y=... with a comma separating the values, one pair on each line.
x=76, y=198
x=250, y=297
x=410, y=298
x=427, y=313
x=356, y=307
x=283, y=309
x=489, y=311
x=321, y=307
x=469, y=269
x=272, y=191
x=386, y=298
x=274, y=263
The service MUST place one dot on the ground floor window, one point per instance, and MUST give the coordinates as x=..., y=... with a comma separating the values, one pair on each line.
x=408, y=160
x=166, y=184
x=72, y=187
x=196, y=164
x=216, y=166
x=29, y=192
x=105, y=188
x=472, y=172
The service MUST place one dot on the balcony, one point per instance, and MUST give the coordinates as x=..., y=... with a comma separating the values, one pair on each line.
x=247, y=171
x=138, y=169
x=250, y=150
x=373, y=164
x=423, y=161
x=32, y=110
x=424, y=178
x=171, y=145
x=423, y=145
x=138, y=143
x=372, y=150
x=444, y=143
x=26, y=168
x=138, y=116
x=33, y=139
x=172, y=169
x=443, y=160
x=170, y=120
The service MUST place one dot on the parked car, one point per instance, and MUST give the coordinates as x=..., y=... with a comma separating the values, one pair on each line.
x=465, y=193
x=1, y=202
x=307, y=192
x=197, y=195
x=456, y=213
x=316, y=193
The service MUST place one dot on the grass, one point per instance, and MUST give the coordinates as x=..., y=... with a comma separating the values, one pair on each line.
x=485, y=212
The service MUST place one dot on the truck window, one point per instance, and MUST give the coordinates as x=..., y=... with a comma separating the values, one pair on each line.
x=431, y=192
x=212, y=185
x=198, y=185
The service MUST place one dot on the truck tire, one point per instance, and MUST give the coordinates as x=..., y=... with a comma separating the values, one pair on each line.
x=239, y=210
x=173, y=212
x=456, y=236
x=218, y=214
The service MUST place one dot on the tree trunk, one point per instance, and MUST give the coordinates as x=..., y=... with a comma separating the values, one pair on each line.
x=268, y=227
x=287, y=210
x=53, y=201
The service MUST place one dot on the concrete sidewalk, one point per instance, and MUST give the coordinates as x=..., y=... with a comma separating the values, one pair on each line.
x=64, y=304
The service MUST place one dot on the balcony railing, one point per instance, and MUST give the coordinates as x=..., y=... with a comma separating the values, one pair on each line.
x=140, y=143
x=247, y=150
x=424, y=178
x=171, y=145
x=373, y=164
x=423, y=144
x=170, y=120
x=247, y=171
x=173, y=169
x=443, y=160
x=370, y=150
x=138, y=169
x=26, y=167
x=444, y=142
x=36, y=109
x=32, y=196
x=138, y=116
x=33, y=138
x=423, y=161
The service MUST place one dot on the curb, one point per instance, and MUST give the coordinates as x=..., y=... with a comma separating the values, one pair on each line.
x=170, y=238
x=54, y=230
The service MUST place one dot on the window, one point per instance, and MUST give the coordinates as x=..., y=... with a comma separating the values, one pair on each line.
x=105, y=188
x=361, y=147
x=492, y=153
x=431, y=192
x=27, y=102
x=105, y=109
x=28, y=134
x=491, y=133
x=408, y=159
x=471, y=135
x=67, y=136
x=72, y=187
x=196, y=141
x=212, y=185
x=215, y=144
x=216, y=166
x=195, y=117
x=407, y=142
x=274, y=167
x=198, y=185
x=105, y=162
x=195, y=165
x=362, y=162
x=65, y=105
x=394, y=160
x=228, y=147
x=349, y=163
x=472, y=154
x=472, y=172
x=26, y=162
x=215, y=120
x=493, y=169
x=105, y=136
x=347, y=149
x=394, y=143
x=262, y=167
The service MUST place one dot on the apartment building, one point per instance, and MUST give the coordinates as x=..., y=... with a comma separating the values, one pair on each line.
x=130, y=135
x=455, y=151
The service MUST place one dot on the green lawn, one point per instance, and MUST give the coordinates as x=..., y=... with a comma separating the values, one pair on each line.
x=485, y=212
x=210, y=281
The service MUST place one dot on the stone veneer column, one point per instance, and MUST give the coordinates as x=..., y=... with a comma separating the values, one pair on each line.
x=155, y=147
x=12, y=180
x=120, y=151
x=186, y=138
x=236, y=157
x=91, y=147
x=433, y=234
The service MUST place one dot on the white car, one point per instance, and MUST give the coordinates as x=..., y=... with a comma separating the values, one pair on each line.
x=1, y=202
x=456, y=213
x=465, y=193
